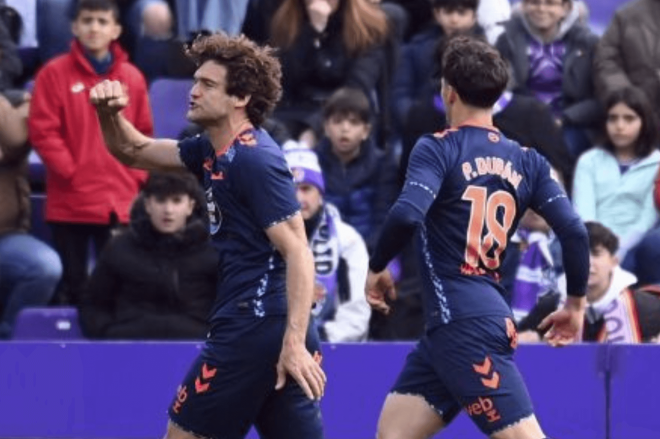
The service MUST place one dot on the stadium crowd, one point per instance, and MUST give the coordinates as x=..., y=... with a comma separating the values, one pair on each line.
x=359, y=87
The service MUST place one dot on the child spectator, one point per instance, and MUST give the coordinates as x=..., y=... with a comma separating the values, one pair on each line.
x=158, y=279
x=360, y=178
x=633, y=316
x=88, y=191
x=614, y=183
x=341, y=310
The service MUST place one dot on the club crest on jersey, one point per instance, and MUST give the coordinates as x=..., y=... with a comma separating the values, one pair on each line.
x=493, y=137
x=215, y=215
x=247, y=139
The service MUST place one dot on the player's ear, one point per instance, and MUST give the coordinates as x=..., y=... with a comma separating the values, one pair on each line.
x=241, y=102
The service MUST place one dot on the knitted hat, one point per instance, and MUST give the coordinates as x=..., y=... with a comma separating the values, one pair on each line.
x=305, y=167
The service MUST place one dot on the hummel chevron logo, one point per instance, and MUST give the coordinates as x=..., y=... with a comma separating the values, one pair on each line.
x=202, y=383
x=490, y=379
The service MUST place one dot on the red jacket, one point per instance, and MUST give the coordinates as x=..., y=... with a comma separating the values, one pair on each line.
x=84, y=183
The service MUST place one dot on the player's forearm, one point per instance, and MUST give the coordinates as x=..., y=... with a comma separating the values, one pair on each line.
x=300, y=287
x=399, y=227
x=123, y=140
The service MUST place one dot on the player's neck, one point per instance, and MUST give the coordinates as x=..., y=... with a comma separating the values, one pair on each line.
x=462, y=115
x=224, y=133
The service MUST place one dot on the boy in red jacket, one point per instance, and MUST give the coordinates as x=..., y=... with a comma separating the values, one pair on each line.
x=88, y=191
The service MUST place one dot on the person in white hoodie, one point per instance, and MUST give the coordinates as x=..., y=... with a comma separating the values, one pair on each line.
x=616, y=312
x=341, y=311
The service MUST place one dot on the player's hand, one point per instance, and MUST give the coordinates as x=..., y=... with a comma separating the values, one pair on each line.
x=109, y=97
x=299, y=363
x=379, y=286
x=565, y=324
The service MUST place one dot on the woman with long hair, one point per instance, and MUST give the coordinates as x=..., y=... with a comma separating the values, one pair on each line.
x=325, y=45
x=614, y=182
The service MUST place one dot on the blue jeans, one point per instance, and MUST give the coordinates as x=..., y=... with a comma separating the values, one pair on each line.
x=29, y=273
x=211, y=15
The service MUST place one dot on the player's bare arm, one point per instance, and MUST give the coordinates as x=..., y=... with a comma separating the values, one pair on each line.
x=290, y=240
x=123, y=140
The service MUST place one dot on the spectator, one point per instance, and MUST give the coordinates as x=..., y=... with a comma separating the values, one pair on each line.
x=88, y=191
x=551, y=55
x=341, y=311
x=521, y=118
x=627, y=53
x=342, y=45
x=53, y=27
x=10, y=64
x=210, y=15
x=414, y=77
x=614, y=183
x=609, y=298
x=538, y=266
x=29, y=269
x=157, y=280
x=360, y=179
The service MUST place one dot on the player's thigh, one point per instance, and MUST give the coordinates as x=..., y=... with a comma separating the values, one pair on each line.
x=475, y=359
x=419, y=403
x=408, y=416
x=176, y=432
x=227, y=384
x=289, y=413
x=528, y=428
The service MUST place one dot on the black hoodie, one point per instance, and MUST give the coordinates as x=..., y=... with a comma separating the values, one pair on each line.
x=147, y=285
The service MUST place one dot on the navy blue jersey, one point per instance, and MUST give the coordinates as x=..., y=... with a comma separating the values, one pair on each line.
x=248, y=188
x=478, y=184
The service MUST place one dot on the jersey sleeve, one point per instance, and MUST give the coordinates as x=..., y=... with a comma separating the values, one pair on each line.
x=266, y=186
x=550, y=201
x=426, y=171
x=191, y=152
x=427, y=168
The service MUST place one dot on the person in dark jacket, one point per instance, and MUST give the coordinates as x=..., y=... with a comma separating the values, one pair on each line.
x=413, y=80
x=158, y=279
x=551, y=54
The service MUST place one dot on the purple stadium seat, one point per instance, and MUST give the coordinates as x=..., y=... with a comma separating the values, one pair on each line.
x=169, y=104
x=52, y=323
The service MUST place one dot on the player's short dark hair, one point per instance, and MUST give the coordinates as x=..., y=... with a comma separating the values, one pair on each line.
x=639, y=103
x=601, y=236
x=97, y=5
x=162, y=184
x=453, y=5
x=252, y=70
x=345, y=101
x=475, y=70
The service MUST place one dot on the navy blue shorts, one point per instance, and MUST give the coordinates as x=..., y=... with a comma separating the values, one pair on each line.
x=468, y=364
x=231, y=386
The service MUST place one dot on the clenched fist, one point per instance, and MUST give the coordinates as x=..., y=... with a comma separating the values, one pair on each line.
x=109, y=97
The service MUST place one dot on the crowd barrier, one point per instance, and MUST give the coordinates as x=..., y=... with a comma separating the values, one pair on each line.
x=120, y=390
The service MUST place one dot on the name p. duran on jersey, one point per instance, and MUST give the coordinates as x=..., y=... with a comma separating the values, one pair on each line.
x=215, y=215
x=492, y=166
